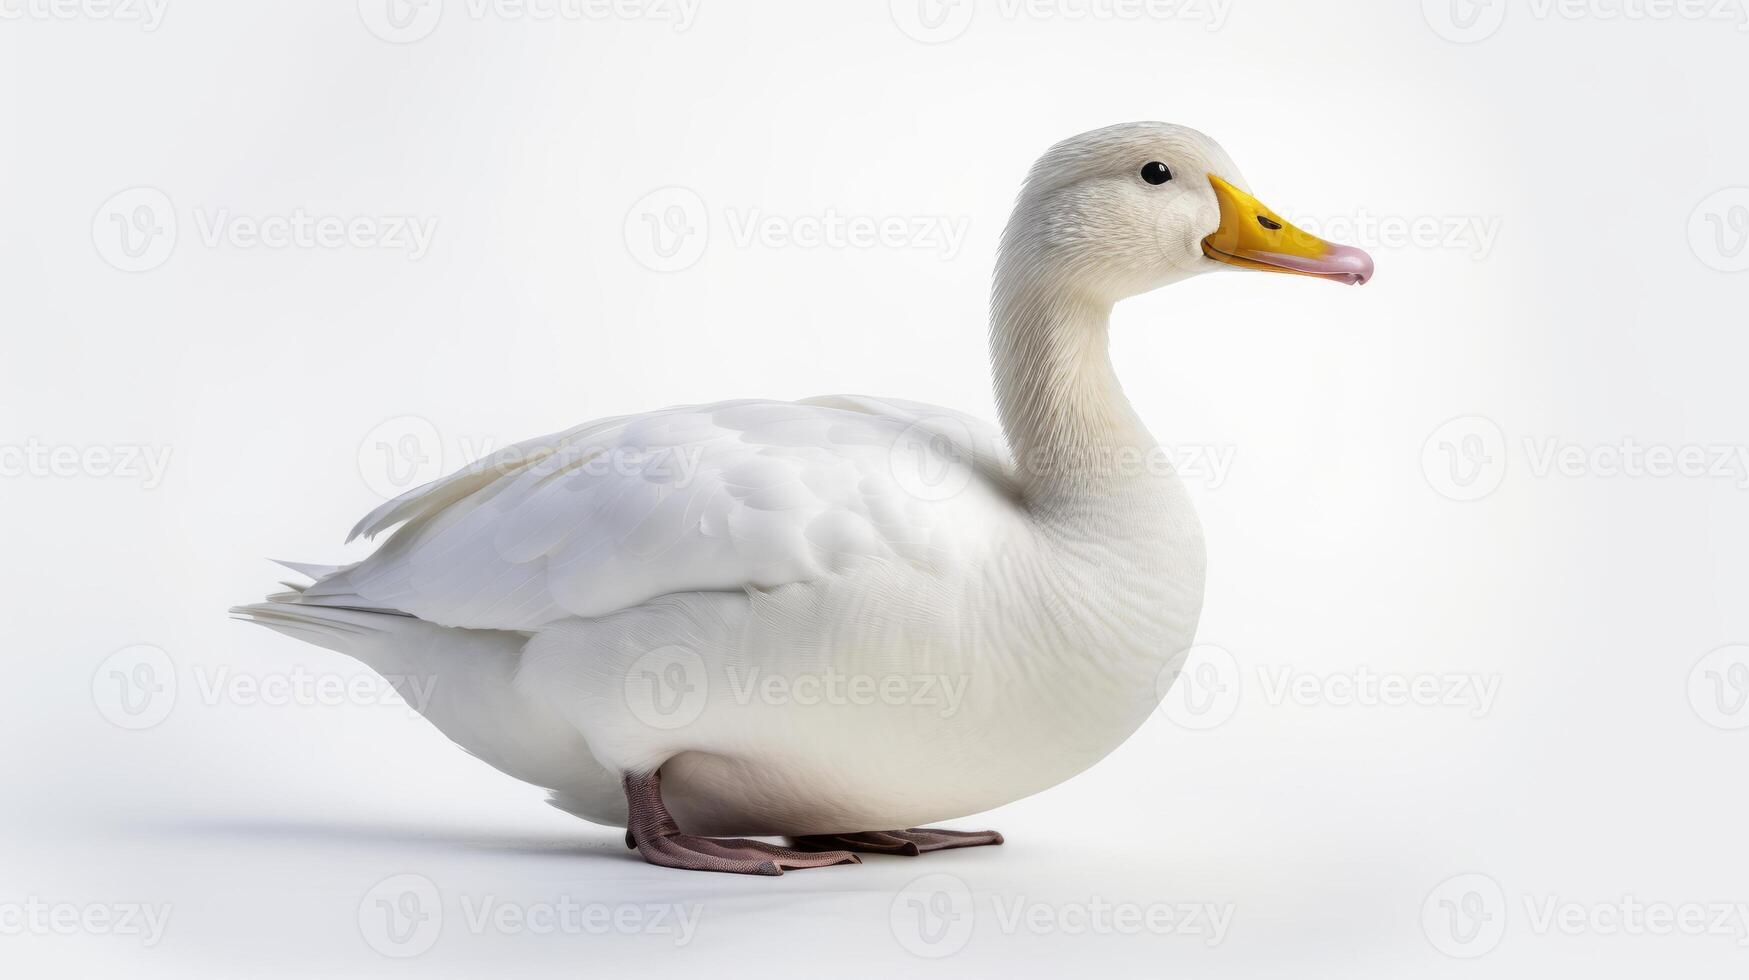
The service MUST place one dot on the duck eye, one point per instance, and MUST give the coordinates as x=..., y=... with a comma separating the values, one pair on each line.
x=1155, y=172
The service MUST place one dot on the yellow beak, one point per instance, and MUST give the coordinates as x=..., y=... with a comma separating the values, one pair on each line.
x=1251, y=236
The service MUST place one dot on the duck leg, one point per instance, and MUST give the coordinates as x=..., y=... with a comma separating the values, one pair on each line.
x=658, y=840
x=908, y=843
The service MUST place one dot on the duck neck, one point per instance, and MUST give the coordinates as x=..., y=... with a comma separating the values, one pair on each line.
x=1074, y=436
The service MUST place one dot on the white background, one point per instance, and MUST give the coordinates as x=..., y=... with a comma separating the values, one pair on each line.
x=1576, y=287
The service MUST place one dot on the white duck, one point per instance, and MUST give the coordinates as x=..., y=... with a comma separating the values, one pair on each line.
x=825, y=618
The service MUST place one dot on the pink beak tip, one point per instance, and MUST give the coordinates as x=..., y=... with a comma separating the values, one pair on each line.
x=1348, y=264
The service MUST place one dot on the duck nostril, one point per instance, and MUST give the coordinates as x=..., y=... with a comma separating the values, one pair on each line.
x=1271, y=225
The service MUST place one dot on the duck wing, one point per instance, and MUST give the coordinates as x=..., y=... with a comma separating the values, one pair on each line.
x=725, y=496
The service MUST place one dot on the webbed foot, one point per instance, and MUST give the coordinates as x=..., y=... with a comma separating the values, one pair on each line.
x=658, y=840
x=908, y=843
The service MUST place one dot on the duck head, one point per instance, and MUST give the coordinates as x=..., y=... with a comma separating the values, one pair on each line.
x=1129, y=208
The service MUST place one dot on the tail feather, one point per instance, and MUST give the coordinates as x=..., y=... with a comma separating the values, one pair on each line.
x=333, y=629
x=311, y=571
x=328, y=586
x=464, y=682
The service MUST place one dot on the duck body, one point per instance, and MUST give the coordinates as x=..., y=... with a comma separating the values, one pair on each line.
x=902, y=652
